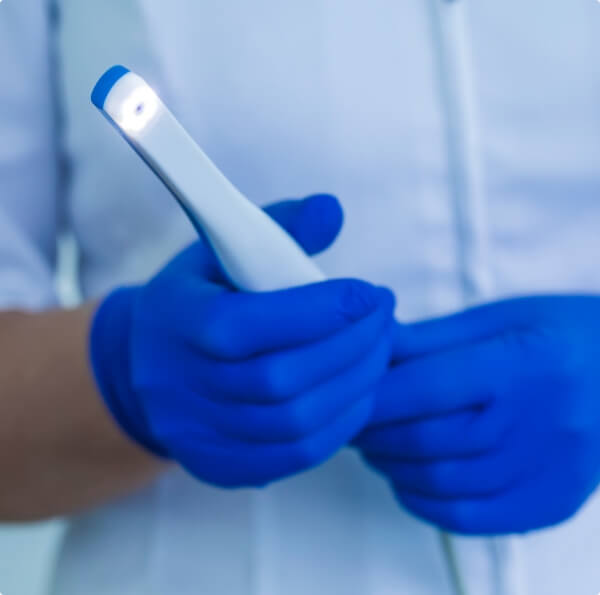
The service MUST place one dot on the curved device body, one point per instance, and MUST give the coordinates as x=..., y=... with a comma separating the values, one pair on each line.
x=255, y=252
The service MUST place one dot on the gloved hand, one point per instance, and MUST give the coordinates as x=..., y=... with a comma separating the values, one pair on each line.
x=489, y=421
x=244, y=388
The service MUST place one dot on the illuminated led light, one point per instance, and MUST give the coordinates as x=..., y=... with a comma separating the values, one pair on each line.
x=138, y=109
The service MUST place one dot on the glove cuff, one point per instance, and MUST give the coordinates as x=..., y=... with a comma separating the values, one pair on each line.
x=110, y=357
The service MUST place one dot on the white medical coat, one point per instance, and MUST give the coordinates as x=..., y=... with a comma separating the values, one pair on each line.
x=463, y=139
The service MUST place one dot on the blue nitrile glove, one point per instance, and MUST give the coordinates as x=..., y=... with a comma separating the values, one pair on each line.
x=489, y=421
x=244, y=388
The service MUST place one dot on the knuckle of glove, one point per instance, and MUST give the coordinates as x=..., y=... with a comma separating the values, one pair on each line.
x=306, y=454
x=297, y=422
x=356, y=300
x=275, y=380
x=220, y=335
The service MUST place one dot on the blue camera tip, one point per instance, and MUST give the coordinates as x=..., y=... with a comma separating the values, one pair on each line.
x=106, y=83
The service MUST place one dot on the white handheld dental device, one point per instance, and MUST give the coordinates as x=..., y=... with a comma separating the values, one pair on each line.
x=255, y=252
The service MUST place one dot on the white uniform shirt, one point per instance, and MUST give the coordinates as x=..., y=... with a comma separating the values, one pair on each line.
x=463, y=139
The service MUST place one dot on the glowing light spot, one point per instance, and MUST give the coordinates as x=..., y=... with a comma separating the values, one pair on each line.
x=138, y=109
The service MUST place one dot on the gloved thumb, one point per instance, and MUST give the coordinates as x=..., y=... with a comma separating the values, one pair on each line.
x=314, y=222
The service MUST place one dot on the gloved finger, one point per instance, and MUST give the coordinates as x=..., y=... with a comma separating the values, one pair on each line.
x=283, y=375
x=300, y=417
x=515, y=510
x=465, y=433
x=260, y=464
x=235, y=326
x=314, y=222
x=444, y=382
x=470, y=477
x=475, y=324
